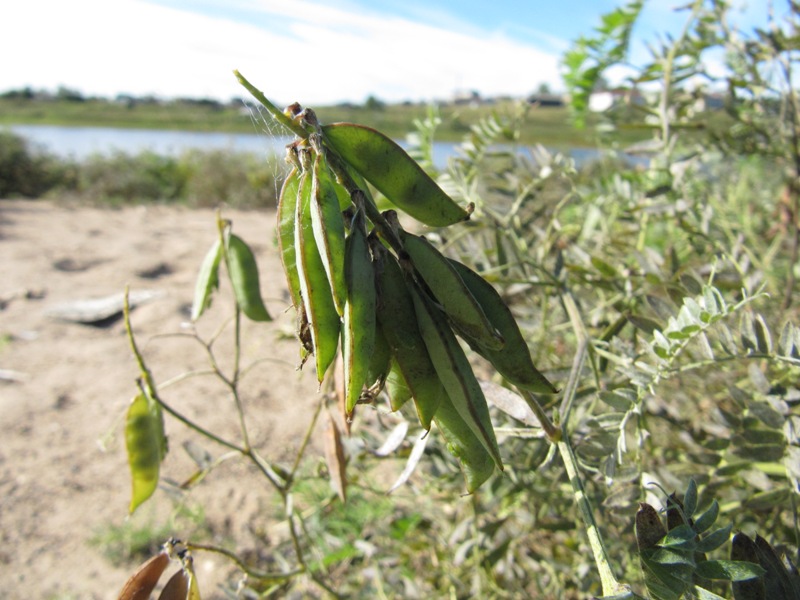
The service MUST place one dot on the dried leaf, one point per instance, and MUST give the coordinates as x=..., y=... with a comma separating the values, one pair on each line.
x=413, y=459
x=393, y=440
x=145, y=579
x=335, y=459
x=177, y=587
x=649, y=528
x=510, y=403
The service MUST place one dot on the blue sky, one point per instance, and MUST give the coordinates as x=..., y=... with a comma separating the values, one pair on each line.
x=313, y=51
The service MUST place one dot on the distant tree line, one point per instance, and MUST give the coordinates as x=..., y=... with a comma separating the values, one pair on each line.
x=67, y=94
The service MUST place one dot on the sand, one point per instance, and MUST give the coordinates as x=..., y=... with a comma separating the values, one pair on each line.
x=65, y=388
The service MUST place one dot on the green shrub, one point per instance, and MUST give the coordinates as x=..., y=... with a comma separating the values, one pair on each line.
x=239, y=179
x=26, y=171
x=124, y=178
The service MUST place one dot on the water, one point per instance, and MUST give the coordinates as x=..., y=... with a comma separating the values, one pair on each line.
x=81, y=142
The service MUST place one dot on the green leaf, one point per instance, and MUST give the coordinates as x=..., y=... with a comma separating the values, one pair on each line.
x=763, y=337
x=703, y=594
x=766, y=501
x=605, y=269
x=760, y=452
x=666, y=556
x=707, y=519
x=666, y=582
x=713, y=301
x=690, y=499
x=643, y=323
x=681, y=536
x=621, y=400
x=747, y=332
x=786, y=344
x=729, y=570
x=715, y=539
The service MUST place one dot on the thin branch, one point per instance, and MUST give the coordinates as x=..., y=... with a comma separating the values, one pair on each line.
x=201, y=430
x=249, y=571
x=304, y=443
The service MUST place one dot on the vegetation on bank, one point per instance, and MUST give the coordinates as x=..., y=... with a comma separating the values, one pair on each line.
x=194, y=178
x=550, y=126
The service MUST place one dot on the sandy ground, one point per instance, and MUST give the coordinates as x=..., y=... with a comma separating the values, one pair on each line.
x=58, y=488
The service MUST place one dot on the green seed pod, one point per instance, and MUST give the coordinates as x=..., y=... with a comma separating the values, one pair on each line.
x=455, y=373
x=328, y=227
x=513, y=360
x=287, y=207
x=397, y=388
x=394, y=173
x=358, y=335
x=243, y=272
x=476, y=463
x=398, y=321
x=450, y=291
x=328, y=181
x=323, y=320
x=380, y=363
x=146, y=445
x=207, y=280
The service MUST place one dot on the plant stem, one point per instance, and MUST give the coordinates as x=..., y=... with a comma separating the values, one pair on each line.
x=609, y=582
x=273, y=110
x=260, y=575
x=580, y=356
x=234, y=382
x=267, y=470
x=299, y=550
x=304, y=443
x=145, y=372
x=148, y=385
x=192, y=425
x=552, y=432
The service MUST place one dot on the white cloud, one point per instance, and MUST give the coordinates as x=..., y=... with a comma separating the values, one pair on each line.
x=313, y=53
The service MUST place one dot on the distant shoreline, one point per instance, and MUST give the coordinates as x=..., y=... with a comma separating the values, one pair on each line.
x=549, y=126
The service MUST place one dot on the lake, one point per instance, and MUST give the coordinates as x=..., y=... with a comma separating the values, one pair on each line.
x=81, y=142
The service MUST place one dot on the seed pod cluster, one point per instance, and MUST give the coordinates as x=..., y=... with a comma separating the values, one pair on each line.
x=182, y=585
x=388, y=298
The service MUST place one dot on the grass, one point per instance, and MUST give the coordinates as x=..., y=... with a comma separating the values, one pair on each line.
x=545, y=125
x=137, y=539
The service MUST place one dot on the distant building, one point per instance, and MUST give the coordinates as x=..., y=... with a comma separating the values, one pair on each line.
x=603, y=100
x=546, y=99
x=472, y=98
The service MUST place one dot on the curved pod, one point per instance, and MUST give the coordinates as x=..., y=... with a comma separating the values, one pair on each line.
x=513, y=360
x=394, y=173
x=358, y=335
x=455, y=373
x=328, y=227
x=398, y=321
x=476, y=463
x=449, y=290
x=323, y=320
x=287, y=209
